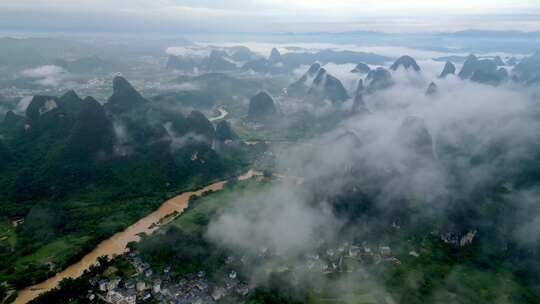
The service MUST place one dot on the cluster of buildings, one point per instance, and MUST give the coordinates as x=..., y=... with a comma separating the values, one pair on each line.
x=330, y=260
x=333, y=259
x=348, y=258
x=458, y=240
x=147, y=286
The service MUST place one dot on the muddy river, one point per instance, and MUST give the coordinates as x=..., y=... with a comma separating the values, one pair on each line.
x=116, y=245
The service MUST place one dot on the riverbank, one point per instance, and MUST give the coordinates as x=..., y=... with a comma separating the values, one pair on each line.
x=116, y=245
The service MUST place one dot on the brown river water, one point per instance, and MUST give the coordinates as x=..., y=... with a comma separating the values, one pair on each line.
x=116, y=245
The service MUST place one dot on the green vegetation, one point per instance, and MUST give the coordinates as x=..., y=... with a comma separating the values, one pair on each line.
x=56, y=234
x=183, y=245
x=441, y=275
x=76, y=181
x=7, y=232
x=76, y=172
x=58, y=250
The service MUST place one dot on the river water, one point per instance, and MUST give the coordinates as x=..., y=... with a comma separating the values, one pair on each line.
x=222, y=114
x=116, y=245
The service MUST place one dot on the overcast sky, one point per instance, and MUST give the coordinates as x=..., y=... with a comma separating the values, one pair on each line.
x=268, y=15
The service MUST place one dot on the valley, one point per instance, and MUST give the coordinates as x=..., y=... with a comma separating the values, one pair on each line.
x=276, y=171
x=117, y=244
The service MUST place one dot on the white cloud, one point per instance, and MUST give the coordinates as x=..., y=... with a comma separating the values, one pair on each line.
x=276, y=15
x=187, y=51
x=47, y=75
x=23, y=104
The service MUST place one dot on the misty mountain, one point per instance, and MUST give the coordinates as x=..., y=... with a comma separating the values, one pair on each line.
x=295, y=59
x=49, y=116
x=275, y=56
x=529, y=68
x=261, y=65
x=91, y=133
x=198, y=124
x=413, y=134
x=359, y=105
x=472, y=64
x=300, y=88
x=225, y=132
x=406, y=62
x=124, y=98
x=12, y=122
x=72, y=132
x=121, y=158
x=276, y=63
x=370, y=184
x=432, y=89
x=327, y=87
x=261, y=108
x=492, y=77
x=243, y=54
x=71, y=102
x=483, y=71
x=361, y=68
x=292, y=60
x=498, y=61
x=378, y=79
x=217, y=62
x=449, y=69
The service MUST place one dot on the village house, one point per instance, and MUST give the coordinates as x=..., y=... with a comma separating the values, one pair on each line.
x=121, y=297
x=156, y=288
x=219, y=293
x=113, y=284
x=102, y=285
x=141, y=286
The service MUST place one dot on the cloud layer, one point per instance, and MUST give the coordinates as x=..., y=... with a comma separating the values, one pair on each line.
x=265, y=15
x=480, y=136
x=47, y=75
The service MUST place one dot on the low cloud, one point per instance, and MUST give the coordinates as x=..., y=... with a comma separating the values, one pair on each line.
x=179, y=141
x=196, y=52
x=278, y=219
x=480, y=135
x=47, y=75
x=23, y=104
x=343, y=73
x=186, y=86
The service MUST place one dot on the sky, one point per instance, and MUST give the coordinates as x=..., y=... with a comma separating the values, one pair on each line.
x=268, y=16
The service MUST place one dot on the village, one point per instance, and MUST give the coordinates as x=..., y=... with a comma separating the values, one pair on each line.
x=148, y=286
